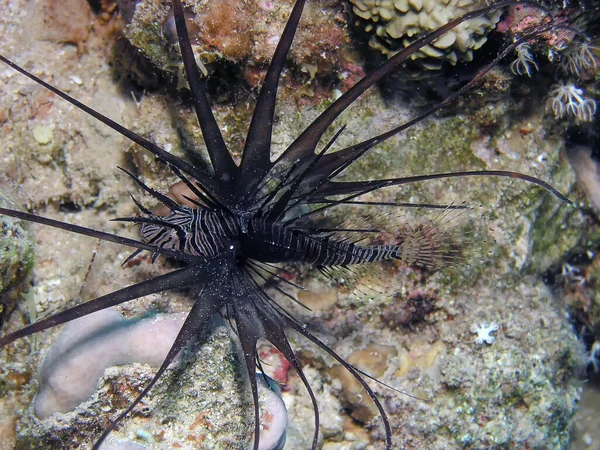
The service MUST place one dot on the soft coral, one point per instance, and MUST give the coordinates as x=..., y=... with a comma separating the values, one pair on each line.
x=566, y=98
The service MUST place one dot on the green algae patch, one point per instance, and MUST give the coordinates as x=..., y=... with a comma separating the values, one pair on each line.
x=557, y=230
x=443, y=146
x=558, y=227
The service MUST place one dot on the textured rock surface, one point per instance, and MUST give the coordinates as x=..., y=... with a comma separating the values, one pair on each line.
x=245, y=33
x=16, y=256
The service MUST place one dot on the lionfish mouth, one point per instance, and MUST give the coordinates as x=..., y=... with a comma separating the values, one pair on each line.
x=233, y=224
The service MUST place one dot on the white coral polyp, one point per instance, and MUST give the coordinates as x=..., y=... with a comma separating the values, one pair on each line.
x=579, y=59
x=568, y=99
x=524, y=64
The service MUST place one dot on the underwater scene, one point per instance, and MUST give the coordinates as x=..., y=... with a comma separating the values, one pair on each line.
x=299, y=224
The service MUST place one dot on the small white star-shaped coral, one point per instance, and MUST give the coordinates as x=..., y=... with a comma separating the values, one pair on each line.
x=484, y=332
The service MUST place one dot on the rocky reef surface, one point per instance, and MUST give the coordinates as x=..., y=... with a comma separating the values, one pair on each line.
x=516, y=384
x=16, y=257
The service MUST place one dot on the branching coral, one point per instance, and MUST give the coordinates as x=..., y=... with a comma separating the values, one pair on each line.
x=568, y=99
x=524, y=64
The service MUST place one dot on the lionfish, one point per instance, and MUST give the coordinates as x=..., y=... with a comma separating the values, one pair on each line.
x=247, y=218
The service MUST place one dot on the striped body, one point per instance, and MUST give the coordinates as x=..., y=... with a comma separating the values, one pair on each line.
x=209, y=232
x=198, y=232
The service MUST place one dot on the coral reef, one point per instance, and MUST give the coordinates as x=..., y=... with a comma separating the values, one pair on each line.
x=244, y=33
x=466, y=393
x=394, y=25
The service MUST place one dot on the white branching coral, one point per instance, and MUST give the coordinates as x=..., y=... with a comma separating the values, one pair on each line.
x=567, y=99
x=580, y=58
x=524, y=64
x=484, y=332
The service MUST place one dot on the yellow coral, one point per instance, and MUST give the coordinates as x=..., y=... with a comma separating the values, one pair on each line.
x=393, y=25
